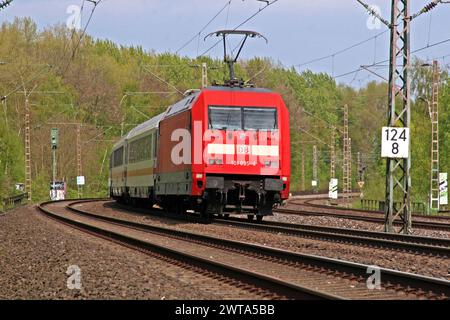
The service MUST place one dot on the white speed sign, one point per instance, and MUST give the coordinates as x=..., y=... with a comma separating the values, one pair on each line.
x=394, y=142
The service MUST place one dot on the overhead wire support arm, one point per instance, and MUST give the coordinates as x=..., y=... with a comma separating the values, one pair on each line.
x=162, y=80
x=22, y=85
x=374, y=73
x=314, y=137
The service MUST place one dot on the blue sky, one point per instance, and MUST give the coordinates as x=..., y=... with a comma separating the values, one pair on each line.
x=298, y=30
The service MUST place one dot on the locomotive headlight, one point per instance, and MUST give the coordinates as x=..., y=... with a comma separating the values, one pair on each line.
x=215, y=161
x=284, y=179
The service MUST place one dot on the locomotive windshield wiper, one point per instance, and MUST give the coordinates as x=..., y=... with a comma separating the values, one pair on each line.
x=228, y=121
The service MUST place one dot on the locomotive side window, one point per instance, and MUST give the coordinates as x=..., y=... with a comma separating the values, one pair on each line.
x=118, y=157
x=260, y=119
x=225, y=118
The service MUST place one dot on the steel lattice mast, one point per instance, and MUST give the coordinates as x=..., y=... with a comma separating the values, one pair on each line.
x=434, y=116
x=345, y=154
x=398, y=170
x=27, y=138
x=398, y=180
x=333, y=154
x=315, y=168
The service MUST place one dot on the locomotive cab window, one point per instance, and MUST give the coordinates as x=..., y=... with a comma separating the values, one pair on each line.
x=260, y=119
x=242, y=118
x=225, y=118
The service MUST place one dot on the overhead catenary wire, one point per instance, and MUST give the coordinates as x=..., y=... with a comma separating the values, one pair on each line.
x=74, y=50
x=386, y=60
x=197, y=35
x=341, y=51
x=240, y=25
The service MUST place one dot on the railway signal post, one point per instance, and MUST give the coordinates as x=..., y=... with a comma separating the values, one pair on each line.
x=333, y=153
x=54, y=140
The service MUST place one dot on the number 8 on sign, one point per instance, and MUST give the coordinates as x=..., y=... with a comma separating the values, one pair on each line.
x=394, y=142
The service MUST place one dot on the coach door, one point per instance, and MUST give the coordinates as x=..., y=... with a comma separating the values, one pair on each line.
x=125, y=164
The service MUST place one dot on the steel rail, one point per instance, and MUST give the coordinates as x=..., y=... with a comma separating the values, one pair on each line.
x=441, y=288
x=275, y=285
x=324, y=206
x=406, y=243
x=419, y=224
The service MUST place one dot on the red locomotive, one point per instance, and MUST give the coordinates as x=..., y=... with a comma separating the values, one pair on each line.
x=220, y=150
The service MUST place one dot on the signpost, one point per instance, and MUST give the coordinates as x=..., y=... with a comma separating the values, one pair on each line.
x=333, y=189
x=80, y=181
x=443, y=188
x=361, y=186
x=394, y=142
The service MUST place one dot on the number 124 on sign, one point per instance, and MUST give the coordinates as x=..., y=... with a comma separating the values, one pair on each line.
x=394, y=142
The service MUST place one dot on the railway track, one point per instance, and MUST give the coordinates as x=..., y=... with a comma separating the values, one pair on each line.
x=405, y=243
x=284, y=273
x=308, y=202
x=411, y=244
x=361, y=216
x=420, y=245
x=119, y=232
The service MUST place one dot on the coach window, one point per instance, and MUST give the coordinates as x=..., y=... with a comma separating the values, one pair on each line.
x=260, y=119
x=118, y=157
x=225, y=118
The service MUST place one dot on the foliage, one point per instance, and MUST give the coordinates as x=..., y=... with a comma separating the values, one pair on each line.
x=104, y=87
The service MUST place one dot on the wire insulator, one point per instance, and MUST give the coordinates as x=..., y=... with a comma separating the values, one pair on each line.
x=5, y=3
x=429, y=6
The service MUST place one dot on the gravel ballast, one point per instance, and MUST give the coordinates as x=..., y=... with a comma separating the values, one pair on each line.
x=426, y=265
x=36, y=252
